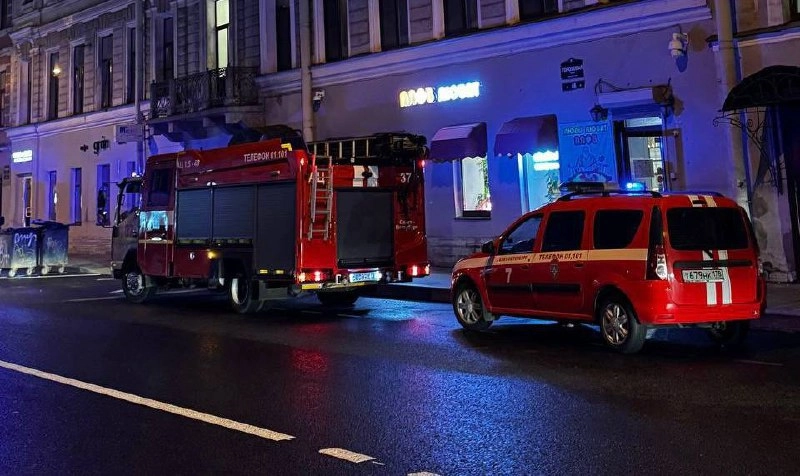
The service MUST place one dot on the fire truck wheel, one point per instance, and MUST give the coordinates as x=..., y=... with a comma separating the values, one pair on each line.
x=619, y=326
x=134, y=287
x=729, y=335
x=241, y=296
x=469, y=309
x=342, y=298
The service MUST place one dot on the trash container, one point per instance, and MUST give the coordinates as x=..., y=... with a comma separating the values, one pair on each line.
x=19, y=249
x=53, y=245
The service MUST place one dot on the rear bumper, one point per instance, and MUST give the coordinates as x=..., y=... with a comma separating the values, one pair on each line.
x=654, y=307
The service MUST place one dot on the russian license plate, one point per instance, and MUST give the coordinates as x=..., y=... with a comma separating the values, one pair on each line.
x=361, y=277
x=702, y=275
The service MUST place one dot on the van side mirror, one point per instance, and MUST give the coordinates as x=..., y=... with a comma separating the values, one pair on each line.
x=488, y=248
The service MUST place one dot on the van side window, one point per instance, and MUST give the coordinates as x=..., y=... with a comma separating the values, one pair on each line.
x=521, y=239
x=564, y=231
x=615, y=229
x=160, y=187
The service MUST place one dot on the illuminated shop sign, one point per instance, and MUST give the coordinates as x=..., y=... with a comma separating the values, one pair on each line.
x=430, y=95
x=22, y=156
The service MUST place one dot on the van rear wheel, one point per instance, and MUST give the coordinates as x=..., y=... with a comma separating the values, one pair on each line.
x=729, y=334
x=619, y=326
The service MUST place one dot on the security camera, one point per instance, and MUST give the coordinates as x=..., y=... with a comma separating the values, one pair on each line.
x=316, y=102
x=677, y=45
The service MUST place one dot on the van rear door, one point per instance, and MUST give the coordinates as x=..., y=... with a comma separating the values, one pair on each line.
x=712, y=258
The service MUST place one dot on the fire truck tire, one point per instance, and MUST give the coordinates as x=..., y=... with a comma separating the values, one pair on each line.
x=342, y=298
x=135, y=288
x=241, y=295
x=469, y=308
x=729, y=335
x=619, y=325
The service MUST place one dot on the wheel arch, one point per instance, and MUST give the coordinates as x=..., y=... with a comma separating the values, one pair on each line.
x=607, y=291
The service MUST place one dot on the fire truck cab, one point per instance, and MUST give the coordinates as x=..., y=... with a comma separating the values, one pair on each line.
x=275, y=218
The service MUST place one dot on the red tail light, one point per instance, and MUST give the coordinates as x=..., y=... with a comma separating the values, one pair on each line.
x=656, y=253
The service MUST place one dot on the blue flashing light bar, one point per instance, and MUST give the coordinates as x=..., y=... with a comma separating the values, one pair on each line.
x=634, y=186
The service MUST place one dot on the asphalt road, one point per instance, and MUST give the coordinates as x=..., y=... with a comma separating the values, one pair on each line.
x=90, y=384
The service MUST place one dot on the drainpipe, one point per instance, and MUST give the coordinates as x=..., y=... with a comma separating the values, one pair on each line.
x=729, y=76
x=139, y=86
x=305, y=70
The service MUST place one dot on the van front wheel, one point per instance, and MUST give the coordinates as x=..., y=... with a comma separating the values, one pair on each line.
x=620, y=329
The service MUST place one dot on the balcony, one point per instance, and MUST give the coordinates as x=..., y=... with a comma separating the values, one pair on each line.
x=223, y=97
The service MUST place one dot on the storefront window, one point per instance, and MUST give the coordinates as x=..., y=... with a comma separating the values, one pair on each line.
x=475, y=196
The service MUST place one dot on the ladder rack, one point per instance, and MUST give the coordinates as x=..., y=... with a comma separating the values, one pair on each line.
x=321, y=198
x=386, y=147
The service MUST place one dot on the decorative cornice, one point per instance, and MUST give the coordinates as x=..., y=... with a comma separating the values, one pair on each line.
x=571, y=28
x=119, y=114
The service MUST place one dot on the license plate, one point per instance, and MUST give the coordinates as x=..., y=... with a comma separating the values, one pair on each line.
x=702, y=275
x=361, y=277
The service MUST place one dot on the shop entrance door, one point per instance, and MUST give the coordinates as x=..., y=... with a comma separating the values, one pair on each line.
x=27, y=198
x=642, y=154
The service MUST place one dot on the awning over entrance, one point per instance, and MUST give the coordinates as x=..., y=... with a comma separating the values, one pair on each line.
x=458, y=142
x=771, y=86
x=527, y=135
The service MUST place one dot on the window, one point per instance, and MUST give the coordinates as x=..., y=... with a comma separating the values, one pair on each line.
x=52, y=91
x=77, y=204
x=704, y=228
x=103, y=194
x=130, y=94
x=614, y=229
x=563, y=232
x=77, y=79
x=221, y=23
x=52, y=195
x=25, y=94
x=522, y=238
x=106, y=71
x=283, y=27
x=475, y=197
x=531, y=9
x=460, y=16
x=160, y=187
x=336, y=33
x=3, y=101
x=794, y=9
x=167, y=58
x=5, y=13
x=131, y=201
x=394, y=23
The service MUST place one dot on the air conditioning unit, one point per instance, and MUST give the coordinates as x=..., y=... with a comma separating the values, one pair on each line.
x=656, y=95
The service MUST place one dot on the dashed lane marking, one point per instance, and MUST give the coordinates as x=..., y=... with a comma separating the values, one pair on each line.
x=51, y=276
x=119, y=295
x=107, y=298
x=758, y=362
x=155, y=404
x=423, y=473
x=346, y=455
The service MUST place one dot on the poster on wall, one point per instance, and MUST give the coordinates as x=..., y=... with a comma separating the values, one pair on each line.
x=586, y=152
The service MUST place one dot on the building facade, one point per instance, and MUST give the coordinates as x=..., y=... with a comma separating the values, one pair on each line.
x=515, y=97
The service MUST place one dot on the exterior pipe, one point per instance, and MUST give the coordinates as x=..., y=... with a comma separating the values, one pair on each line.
x=139, y=86
x=729, y=76
x=305, y=70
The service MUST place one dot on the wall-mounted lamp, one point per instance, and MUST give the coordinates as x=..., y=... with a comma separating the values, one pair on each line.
x=677, y=45
x=316, y=102
x=599, y=113
x=56, y=70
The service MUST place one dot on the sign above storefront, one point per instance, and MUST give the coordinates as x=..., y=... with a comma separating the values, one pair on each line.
x=431, y=95
x=572, y=75
x=22, y=156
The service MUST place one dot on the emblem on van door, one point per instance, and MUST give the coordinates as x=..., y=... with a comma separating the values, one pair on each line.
x=554, y=269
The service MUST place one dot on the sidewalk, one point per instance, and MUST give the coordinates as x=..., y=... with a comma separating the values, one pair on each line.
x=783, y=300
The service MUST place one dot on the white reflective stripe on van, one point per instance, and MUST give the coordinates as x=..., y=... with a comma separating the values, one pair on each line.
x=711, y=288
x=726, y=280
x=709, y=200
x=693, y=200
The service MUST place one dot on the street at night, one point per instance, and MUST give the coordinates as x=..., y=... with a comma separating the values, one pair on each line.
x=92, y=384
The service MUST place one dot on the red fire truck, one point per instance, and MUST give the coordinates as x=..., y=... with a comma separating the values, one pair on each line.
x=275, y=218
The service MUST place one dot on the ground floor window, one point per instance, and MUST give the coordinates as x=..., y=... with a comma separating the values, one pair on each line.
x=475, y=200
x=77, y=194
x=52, y=195
x=641, y=154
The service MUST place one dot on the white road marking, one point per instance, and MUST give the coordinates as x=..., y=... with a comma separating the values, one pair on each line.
x=107, y=298
x=155, y=404
x=346, y=455
x=53, y=276
x=423, y=473
x=107, y=279
x=758, y=362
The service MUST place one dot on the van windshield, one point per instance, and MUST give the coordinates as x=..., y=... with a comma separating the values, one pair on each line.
x=706, y=228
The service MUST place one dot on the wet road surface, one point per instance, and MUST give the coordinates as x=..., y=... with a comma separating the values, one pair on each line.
x=184, y=386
